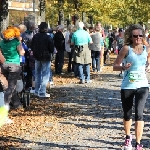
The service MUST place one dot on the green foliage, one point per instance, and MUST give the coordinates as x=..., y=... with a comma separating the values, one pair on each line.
x=117, y=13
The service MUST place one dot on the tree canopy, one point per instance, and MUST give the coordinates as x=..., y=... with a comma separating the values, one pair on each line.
x=116, y=13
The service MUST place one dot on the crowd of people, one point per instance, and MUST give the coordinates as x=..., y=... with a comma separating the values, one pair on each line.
x=88, y=50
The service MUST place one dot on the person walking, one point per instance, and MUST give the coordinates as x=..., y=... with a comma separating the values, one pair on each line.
x=11, y=49
x=95, y=48
x=106, y=49
x=81, y=39
x=59, y=43
x=118, y=42
x=42, y=47
x=74, y=64
x=68, y=49
x=51, y=34
x=135, y=83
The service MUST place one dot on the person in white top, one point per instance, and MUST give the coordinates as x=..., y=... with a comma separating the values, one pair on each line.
x=68, y=48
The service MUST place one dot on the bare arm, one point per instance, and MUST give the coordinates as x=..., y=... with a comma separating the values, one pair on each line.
x=2, y=59
x=148, y=59
x=20, y=50
x=119, y=59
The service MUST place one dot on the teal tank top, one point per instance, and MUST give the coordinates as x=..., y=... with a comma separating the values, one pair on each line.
x=135, y=76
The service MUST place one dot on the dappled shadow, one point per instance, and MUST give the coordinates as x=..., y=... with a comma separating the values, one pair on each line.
x=106, y=77
x=82, y=107
x=76, y=100
x=36, y=145
x=106, y=142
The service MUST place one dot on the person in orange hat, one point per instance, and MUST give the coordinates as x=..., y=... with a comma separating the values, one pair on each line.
x=11, y=49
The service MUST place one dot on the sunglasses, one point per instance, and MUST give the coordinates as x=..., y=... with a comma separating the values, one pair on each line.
x=136, y=36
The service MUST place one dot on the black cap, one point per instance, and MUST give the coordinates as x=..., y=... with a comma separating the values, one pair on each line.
x=43, y=26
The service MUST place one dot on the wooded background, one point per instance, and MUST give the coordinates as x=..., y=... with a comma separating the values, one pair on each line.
x=110, y=12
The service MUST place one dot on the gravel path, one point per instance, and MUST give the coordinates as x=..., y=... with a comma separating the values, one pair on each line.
x=90, y=118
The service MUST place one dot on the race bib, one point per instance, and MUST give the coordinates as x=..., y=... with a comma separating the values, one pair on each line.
x=136, y=76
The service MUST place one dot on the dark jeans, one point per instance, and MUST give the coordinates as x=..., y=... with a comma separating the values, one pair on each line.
x=95, y=60
x=105, y=55
x=59, y=62
x=12, y=73
x=76, y=69
x=70, y=63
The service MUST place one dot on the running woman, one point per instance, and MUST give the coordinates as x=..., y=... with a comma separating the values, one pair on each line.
x=134, y=84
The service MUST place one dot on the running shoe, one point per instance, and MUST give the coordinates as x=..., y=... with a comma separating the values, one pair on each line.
x=139, y=147
x=128, y=145
x=44, y=96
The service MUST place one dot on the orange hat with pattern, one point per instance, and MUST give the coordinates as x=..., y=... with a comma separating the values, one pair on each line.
x=11, y=32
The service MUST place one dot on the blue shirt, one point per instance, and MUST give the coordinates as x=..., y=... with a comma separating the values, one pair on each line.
x=22, y=58
x=135, y=76
x=81, y=37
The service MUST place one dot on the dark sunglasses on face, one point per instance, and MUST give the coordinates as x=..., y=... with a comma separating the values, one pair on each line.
x=136, y=36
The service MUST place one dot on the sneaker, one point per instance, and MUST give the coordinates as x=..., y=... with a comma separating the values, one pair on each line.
x=100, y=69
x=128, y=145
x=82, y=82
x=89, y=81
x=44, y=96
x=32, y=91
x=139, y=147
x=36, y=94
x=51, y=83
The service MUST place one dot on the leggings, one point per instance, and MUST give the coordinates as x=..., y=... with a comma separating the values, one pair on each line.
x=127, y=96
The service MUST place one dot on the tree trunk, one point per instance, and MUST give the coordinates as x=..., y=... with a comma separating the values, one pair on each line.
x=3, y=14
x=42, y=10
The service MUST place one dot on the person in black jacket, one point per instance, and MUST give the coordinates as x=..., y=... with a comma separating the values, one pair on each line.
x=43, y=47
x=59, y=43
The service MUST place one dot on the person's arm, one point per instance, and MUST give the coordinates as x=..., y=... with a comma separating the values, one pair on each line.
x=148, y=59
x=2, y=59
x=119, y=59
x=89, y=38
x=67, y=38
x=20, y=50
